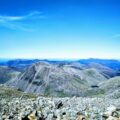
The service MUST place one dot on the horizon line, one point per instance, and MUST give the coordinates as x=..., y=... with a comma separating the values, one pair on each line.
x=15, y=58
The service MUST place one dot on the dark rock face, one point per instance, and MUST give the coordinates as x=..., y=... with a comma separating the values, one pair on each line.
x=25, y=118
x=59, y=105
x=94, y=86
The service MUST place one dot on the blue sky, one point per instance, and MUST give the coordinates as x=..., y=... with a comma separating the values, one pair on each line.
x=66, y=29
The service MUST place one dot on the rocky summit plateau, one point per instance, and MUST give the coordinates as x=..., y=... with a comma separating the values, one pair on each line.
x=86, y=89
x=74, y=108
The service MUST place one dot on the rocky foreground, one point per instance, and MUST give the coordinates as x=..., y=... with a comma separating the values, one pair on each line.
x=75, y=108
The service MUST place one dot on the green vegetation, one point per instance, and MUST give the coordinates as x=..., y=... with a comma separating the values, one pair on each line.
x=62, y=94
x=47, y=91
x=95, y=93
x=9, y=93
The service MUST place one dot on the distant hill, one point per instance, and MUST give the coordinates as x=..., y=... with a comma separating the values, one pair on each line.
x=104, y=70
x=7, y=73
x=113, y=64
x=20, y=64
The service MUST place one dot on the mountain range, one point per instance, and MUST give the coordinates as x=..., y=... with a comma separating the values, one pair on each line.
x=85, y=77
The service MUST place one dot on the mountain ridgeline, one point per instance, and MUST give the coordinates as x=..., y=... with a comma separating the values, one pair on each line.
x=88, y=77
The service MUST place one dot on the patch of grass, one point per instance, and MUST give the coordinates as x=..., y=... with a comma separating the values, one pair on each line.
x=62, y=94
x=90, y=72
x=47, y=91
x=95, y=93
x=9, y=93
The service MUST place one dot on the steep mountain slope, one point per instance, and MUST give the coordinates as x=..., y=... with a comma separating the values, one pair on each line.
x=7, y=74
x=56, y=80
x=111, y=84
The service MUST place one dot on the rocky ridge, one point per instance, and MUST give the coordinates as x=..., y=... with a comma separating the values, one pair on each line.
x=75, y=108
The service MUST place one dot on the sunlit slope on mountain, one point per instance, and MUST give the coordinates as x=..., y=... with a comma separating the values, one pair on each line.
x=111, y=87
x=93, y=76
x=104, y=70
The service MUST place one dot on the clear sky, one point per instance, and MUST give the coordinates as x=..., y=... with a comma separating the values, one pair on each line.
x=60, y=29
